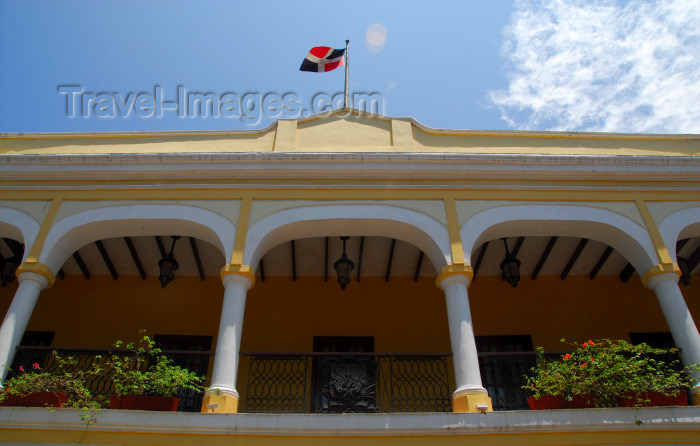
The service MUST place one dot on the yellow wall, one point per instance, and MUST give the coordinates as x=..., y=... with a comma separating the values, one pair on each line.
x=402, y=315
x=577, y=308
x=99, y=311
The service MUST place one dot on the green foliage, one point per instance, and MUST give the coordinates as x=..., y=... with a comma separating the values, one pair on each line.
x=144, y=370
x=66, y=377
x=608, y=369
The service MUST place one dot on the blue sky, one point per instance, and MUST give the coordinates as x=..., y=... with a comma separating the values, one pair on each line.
x=597, y=65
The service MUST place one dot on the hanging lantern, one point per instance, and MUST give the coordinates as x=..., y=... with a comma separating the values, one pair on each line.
x=343, y=266
x=168, y=265
x=510, y=267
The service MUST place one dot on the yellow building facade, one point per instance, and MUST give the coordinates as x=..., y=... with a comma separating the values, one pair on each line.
x=601, y=224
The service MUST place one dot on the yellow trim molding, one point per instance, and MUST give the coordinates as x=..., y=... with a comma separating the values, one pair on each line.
x=657, y=270
x=242, y=270
x=38, y=245
x=37, y=268
x=654, y=233
x=219, y=402
x=241, y=231
x=453, y=270
x=453, y=230
x=471, y=402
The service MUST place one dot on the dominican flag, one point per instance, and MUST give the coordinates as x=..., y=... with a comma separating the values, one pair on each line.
x=322, y=58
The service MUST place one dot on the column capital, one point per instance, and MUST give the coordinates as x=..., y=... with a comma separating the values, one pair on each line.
x=241, y=273
x=32, y=270
x=456, y=272
x=660, y=273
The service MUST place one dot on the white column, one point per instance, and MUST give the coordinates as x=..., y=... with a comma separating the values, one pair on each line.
x=678, y=318
x=17, y=317
x=228, y=345
x=464, y=355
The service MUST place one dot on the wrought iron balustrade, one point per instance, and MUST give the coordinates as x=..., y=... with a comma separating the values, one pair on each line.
x=101, y=384
x=347, y=382
x=503, y=374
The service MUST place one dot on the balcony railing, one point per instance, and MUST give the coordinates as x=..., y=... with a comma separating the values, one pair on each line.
x=347, y=382
x=330, y=382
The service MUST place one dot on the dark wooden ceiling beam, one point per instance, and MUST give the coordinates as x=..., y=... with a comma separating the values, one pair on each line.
x=479, y=259
x=107, y=260
x=543, y=257
x=601, y=261
x=161, y=248
x=294, y=263
x=61, y=275
x=681, y=243
x=627, y=272
x=197, y=259
x=261, y=267
x=418, y=266
x=83, y=268
x=391, y=259
x=16, y=247
x=359, y=260
x=574, y=257
x=135, y=257
x=694, y=260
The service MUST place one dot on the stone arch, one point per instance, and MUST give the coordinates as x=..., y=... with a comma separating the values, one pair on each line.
x=75, y=231
x=19, y=226
x=421, y=230
x=625, y=235
x=680, y=224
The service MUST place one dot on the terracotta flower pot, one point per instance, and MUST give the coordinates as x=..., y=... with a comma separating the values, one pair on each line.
x=652, y=399
x=36, y=399
x=583, y=401
x=547, y=402
x=162, y=403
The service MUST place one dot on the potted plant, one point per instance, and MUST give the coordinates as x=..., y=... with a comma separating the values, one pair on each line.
x=607, y=372
x=144, y=378
x=64, y=386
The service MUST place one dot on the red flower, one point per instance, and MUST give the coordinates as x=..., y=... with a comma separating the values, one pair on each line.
x=584, y=365
x=21, y=369
x=566, y=357
x=35, y=365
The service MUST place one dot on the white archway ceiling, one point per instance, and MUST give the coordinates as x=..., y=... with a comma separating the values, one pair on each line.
x=310, y=257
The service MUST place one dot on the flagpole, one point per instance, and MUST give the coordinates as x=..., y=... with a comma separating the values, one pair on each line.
x=347, y=71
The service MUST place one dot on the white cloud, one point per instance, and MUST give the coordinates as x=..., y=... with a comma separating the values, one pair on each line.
x=602, y=65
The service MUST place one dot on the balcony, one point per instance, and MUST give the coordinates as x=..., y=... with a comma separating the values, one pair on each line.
x=313, y=382
x=282, y=393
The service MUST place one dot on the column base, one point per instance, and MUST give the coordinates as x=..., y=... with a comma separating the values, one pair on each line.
x=471, y=401
x=219, y=402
